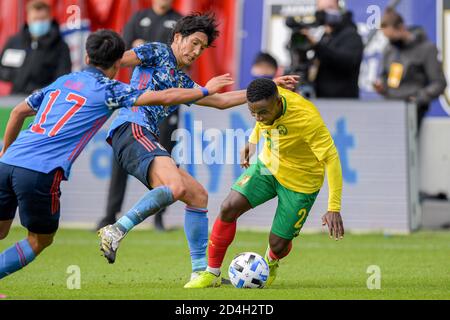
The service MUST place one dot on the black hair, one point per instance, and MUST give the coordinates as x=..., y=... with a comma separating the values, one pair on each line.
x=197, y=22
x=264, y=57
x=104, y=48
x=261, y=89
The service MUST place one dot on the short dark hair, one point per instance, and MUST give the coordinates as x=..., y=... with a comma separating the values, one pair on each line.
x=104, y=48
x=264, y=57
x=38, y=5
x=392, y=18
x=197, y=22
x=261, y=89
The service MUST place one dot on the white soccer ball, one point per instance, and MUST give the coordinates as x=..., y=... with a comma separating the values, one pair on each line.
x=248, y=270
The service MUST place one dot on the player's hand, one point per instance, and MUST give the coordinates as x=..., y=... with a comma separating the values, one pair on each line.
x=1, y=153
x=288, y=82
x=217, y=83
x=245, y=157
x=335, y=225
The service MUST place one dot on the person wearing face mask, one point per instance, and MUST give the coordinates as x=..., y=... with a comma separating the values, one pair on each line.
x=339, y=52
x=411, y=69
x=37, y=55
x=264, y=66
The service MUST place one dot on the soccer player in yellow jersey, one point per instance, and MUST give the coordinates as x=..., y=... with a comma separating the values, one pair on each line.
x=298, y=149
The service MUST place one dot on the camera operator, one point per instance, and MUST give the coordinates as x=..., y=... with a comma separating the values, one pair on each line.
x=339, y=52
x=412, y=70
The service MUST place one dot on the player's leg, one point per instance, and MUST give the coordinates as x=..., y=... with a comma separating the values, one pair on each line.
x=195, y=221
x=224, y=229
x=141, y=155
x=38, y=242
x=167, y=187
x=292, y=212
x=222, y=236
x=38, y=195
x=250, y=190
x=167, y=127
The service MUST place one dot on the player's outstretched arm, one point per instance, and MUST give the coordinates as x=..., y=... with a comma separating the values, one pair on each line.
x=237, y=98
x=333, y=217
x=129, y=59
x=15, y=123
x=176, y=96
x=224, y=100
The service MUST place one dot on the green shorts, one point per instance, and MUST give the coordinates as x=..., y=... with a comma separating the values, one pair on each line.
x=258, y=185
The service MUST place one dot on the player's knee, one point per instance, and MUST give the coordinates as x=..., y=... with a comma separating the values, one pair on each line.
x=201, y=196
x=178, y=191
x=228, y=212
x=39, y=242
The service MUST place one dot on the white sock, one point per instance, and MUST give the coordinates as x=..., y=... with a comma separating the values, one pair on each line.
x=215, y=271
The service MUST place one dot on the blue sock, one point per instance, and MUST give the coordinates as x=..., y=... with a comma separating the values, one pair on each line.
x=15, y=258
x=149, y=204
x=196, y=230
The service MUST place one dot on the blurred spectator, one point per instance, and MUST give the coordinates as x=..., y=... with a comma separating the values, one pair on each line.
x=149, y=25
x=264, y=66
x=37, y=55
x=339, y=52
x=411, y=69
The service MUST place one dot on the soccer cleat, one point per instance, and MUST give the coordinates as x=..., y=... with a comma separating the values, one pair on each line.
x=273, y=266
x=204, y=279
x=110, y=238
x=195, y=274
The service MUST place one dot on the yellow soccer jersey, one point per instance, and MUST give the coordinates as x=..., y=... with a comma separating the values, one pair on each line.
x=297, y=148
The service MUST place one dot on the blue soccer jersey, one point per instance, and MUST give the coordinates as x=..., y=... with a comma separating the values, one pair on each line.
x=69, y=113
x=158, y=71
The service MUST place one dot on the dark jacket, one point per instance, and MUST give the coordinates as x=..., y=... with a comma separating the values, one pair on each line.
x=423, y=76
x=149, y=26
x=45, y=60
x=340, y=54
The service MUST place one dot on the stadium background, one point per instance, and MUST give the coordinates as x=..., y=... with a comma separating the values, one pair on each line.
x=245, y=29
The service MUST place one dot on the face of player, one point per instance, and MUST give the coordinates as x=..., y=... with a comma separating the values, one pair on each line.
x=188, y=49
x=266, y=111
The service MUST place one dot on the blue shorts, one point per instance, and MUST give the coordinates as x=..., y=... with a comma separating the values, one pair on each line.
x=134, y=149
x=36, y=194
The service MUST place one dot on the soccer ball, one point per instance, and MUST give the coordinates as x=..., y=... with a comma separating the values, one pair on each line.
x=248, y=270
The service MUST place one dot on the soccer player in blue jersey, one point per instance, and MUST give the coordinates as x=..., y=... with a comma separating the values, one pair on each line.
x=134, y=136
x=68, y=114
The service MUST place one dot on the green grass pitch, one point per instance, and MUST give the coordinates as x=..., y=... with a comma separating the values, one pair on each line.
x=152, y=265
